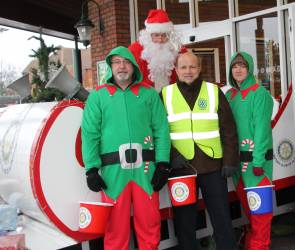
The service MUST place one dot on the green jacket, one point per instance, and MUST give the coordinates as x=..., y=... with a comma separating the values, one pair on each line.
x=114, y=119
x=252, y=109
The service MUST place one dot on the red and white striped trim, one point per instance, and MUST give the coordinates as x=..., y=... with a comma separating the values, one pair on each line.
x=147, y=139
x=251, y=148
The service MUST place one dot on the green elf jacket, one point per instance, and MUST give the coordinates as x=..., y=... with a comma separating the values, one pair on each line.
x=119, y=120
x=252, y=105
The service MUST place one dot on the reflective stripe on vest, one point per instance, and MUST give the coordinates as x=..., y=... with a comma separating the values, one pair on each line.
x=199, y=125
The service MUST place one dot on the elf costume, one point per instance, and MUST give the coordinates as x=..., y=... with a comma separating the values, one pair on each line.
x=252, y=109
x=125, y=135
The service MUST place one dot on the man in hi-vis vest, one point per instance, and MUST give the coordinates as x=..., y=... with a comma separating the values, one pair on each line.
x=204, y=139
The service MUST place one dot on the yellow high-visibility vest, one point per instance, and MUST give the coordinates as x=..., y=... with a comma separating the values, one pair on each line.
x=199, y=125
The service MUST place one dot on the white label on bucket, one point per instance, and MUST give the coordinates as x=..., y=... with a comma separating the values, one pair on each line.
x=180, y=191
x=254, y=200
x=84, y=217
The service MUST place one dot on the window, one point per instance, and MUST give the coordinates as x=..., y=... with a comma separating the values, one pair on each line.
x=210, y=63
x=178, y=11
x=213, y=10
x=143, y=8
x=259, y=37
x=249, y=6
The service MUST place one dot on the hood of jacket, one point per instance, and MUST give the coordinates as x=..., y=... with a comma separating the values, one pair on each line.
x=250, y=79
x=125, y=53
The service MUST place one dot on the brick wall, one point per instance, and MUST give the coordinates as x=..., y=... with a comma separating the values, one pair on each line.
x=115, y=17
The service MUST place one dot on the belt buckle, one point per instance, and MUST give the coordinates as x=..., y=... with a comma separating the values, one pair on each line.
x=131, y=163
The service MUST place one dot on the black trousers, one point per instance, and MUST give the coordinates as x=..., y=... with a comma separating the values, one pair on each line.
x=214, y=191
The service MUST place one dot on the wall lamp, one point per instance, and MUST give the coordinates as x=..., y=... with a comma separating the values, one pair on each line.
x=84, y=25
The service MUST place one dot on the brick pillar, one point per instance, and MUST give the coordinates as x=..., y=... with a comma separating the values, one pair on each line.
x=115, y=17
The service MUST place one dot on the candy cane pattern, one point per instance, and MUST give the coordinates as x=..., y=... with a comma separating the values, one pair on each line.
x=251, y=147
x=148, y=139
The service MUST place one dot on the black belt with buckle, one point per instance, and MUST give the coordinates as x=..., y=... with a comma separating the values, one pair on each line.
x=246, y=156
x=130, y=154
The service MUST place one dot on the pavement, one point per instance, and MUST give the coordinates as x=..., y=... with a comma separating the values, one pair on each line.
x=277, y=243
x=283, y=232
x=283, y=243
x=282, y=236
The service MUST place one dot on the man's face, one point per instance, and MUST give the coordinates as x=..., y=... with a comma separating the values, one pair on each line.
x=122, y=69
x=159, y=37
x=239, y=72
x=188, y=68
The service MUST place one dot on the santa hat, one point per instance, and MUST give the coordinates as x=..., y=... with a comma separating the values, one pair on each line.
x=158, y=22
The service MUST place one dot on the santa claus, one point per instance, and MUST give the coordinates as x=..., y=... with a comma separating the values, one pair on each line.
x=156, y=50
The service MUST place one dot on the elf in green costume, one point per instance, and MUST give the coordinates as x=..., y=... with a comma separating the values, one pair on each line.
x=125, y=136
x=252, y=109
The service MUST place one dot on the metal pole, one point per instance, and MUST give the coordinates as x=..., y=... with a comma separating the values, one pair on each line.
x=77, y=62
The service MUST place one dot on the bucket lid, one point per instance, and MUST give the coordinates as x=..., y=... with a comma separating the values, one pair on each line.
x=248, y=188
x=97, y=203
x=181, y=177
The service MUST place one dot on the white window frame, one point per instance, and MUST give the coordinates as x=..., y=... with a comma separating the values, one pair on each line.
x=291, y=10
x=133, y=20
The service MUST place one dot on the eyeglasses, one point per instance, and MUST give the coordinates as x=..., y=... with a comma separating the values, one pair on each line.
x=159, y=35
x=119, y=62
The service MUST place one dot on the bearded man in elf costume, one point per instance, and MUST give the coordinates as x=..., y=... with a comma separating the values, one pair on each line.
x=252, y=105
x=126, y=148
x=157, y=49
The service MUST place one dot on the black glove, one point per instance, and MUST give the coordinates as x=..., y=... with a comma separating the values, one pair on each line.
x=228, y=171
x=160, y=176
x=94, y=180
x=179, y=162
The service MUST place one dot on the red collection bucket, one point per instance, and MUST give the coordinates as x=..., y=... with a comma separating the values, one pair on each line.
x=182, y=190
x=93, y=217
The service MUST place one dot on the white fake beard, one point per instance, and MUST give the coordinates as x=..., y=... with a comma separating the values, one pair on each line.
x=160, y=59
x=123, y=76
